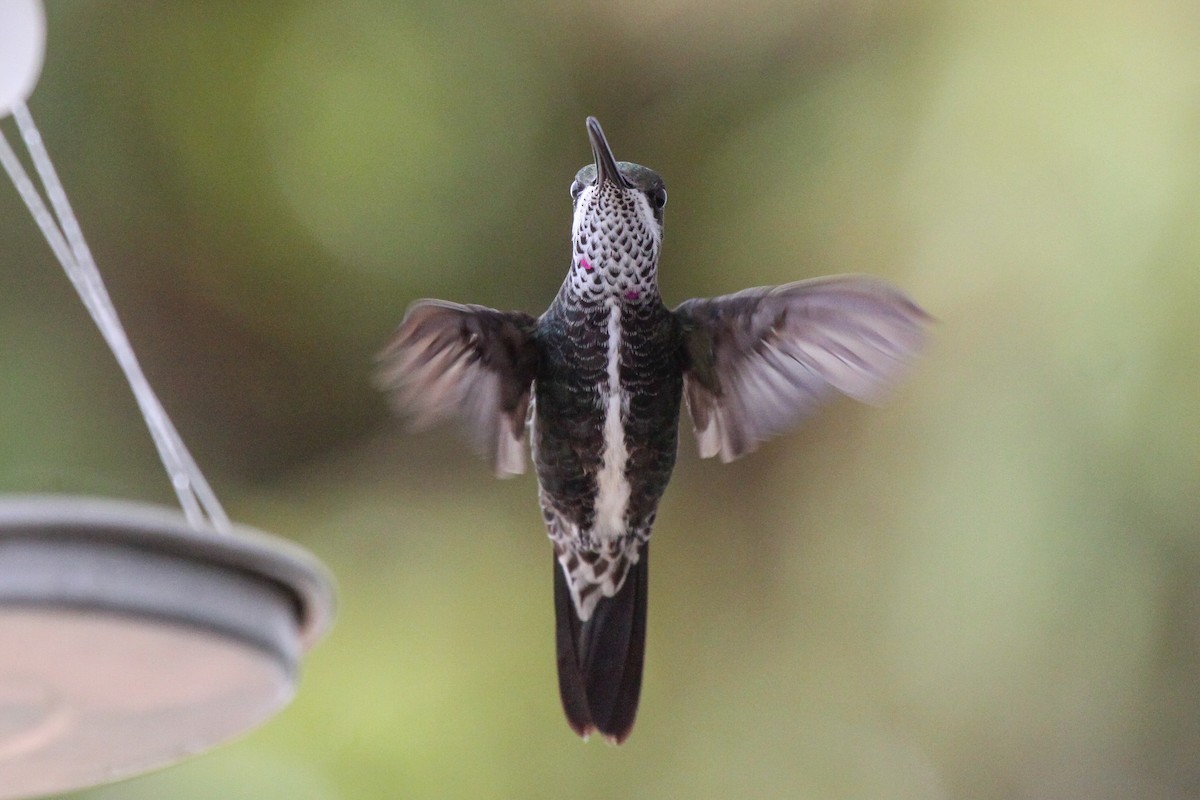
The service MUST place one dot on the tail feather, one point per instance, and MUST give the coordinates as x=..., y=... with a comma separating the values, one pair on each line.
x=600, y=660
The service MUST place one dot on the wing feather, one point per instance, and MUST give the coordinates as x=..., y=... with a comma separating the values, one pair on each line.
x=468, y=362
x=761, y=360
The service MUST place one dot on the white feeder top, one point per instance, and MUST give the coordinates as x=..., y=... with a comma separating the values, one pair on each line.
x=22, y=46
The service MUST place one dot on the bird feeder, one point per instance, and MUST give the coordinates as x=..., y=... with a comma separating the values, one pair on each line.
x=131, y=636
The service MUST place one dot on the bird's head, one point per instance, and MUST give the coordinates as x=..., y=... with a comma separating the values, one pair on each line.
x=617, y=232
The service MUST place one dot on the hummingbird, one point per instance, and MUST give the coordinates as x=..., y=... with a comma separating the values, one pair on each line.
x=596, y=383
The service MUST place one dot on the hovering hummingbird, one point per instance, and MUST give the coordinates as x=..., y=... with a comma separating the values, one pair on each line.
x=598, y=380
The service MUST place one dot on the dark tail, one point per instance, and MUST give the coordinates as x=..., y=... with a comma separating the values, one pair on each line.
x=600, y=661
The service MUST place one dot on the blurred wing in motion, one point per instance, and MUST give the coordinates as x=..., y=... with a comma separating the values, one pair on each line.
x=470, y=362
x=761, y=360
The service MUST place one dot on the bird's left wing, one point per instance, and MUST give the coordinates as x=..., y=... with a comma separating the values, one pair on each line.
x=471, y=362
x=759, y=361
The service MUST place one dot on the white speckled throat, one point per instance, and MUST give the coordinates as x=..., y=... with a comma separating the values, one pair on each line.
x=616, y=240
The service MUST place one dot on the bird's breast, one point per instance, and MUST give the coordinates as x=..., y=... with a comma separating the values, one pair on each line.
x=607, y=410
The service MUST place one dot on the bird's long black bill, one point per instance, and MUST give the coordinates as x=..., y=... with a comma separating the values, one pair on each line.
x=600, y=661
x=606, y=163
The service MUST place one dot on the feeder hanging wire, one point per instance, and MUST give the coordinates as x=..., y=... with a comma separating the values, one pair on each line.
x=65, y=237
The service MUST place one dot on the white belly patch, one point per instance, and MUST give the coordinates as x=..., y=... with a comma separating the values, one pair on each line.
x=612, y=495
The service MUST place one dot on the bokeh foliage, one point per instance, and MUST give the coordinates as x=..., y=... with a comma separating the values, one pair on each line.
x=988, y=588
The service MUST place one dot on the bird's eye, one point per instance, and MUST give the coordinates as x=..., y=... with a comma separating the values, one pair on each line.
x=658, y=198
x=576, y=188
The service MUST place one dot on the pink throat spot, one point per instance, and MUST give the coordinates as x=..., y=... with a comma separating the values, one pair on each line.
x=583, y=262
x=631, y=295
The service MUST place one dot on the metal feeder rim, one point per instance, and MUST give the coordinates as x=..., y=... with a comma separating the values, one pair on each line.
x=161, y=530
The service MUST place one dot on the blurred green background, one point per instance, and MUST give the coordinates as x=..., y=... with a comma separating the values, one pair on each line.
x=988, y=588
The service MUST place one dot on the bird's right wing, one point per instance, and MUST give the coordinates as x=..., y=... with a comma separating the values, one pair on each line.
x=761, y=360
x=471, y=362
